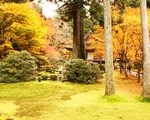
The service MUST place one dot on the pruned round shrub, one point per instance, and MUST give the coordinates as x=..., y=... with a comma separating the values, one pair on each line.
x=53, y=77
x=78, y=70
x=17, y=67
x=44, y=76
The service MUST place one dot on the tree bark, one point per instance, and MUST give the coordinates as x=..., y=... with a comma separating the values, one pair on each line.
x=138, y=75
x=110, y=89
x=82, y=45
x=146, y=45
x=76, y=32
x=125, y=66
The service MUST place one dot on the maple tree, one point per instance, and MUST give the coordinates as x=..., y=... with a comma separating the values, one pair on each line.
x=21, y=29
x=127, y=40
x=58, y=36
x=122, y=43
x=96, y=41
x=137, y=52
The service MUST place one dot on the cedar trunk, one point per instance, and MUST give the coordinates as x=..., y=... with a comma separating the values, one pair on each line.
x=110, y=89
x=146, y=45
x=82, y=45
x=76, y=33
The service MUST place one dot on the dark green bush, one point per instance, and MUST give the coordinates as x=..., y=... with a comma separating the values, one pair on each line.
x=50, y=70
x=18, y=66
x=39, y=78
x=44, y=77
x=102, y=67
x=78, y=70
x=53, y=77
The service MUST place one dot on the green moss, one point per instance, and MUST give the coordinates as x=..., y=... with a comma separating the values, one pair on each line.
x=54, y=100
x=114, y=99
x=147, y=100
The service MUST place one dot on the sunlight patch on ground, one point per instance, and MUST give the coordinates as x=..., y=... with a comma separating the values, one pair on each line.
x=8, y=108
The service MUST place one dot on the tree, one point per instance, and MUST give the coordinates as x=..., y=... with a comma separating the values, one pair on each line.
x=96, y=13
x=76, y=29
x=21, y=29
x=7, y=21
x=134, y=3
x=60, y=34
x=146, y=49
x=120, y=5
x=110, y=89
x=75, y=10
x=137, y=51
x=96, y=41
x=122, y=43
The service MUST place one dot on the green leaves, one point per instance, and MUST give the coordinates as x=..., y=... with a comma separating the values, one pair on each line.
x=78, y=70
x=18, y=66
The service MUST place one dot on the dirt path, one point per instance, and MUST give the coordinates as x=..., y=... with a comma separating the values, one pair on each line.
x=128, y=84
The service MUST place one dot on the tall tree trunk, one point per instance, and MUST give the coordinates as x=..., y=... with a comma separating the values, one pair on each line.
x=110, y=89
x=146, y=50
x=76, y=32
x=82, y=45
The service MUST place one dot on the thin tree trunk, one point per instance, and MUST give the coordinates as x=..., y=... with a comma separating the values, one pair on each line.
x=125, y=70
x=125, y=67
x=110, y=89
x=120, y=67
x=146, y=45
x=138, y=75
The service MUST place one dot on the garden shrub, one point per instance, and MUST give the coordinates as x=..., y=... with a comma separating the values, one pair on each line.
x=41, y=62
x=39, y=78
x=50, y=70
x=44, y=77
x=78, y=70
x=53, y=77
x=47, y=76
x=17, y=67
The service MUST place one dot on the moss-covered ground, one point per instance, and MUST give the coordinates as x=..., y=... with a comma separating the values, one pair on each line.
x=54, y=100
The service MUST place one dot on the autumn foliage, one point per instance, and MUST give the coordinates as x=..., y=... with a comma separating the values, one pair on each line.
x=21, y=29
x=127, y=40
